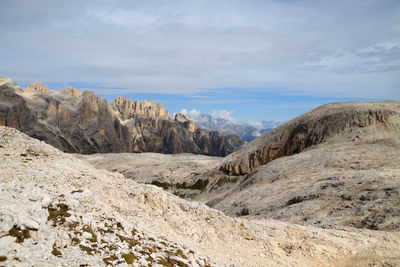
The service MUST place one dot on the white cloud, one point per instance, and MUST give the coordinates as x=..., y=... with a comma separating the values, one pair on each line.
x=194, y=115
x=223, y=114
x=265, y=124
x=256, y=134
x=256, y=124
x=380, y=57
x=197, y=116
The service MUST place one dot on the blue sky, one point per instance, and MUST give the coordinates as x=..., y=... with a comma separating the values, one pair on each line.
x=255, y=59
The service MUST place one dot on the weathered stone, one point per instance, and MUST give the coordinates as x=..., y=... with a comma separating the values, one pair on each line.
x=37, y=87
x=71, y=92
x=319, y=125
x=147, y=226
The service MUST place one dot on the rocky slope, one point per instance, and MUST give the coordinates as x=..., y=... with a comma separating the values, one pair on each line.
x=81, y=122
x=350, y=179
x=354, y=184
x=57, y=210
x=180, y=174
x=319, y=125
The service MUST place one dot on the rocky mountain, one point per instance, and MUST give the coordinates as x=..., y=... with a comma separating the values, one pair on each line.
x=337, y=166
x=84, y=123
x=346, y=175
x=56, y=210
x=328, y=122
x=229, y=127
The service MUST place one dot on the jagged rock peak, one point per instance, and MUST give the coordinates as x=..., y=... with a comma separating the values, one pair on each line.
x=4, y=80
x=93, y=125
x=153, y=109
x=181, y=118
x=149, y=108
x=71, y=92
x=137, y=105
x=37, y=87
x=88, y=93
x=184, y=120
x=122, y=100
x=124, y=105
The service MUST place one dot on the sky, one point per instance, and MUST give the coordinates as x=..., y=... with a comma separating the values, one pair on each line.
x=252, y=59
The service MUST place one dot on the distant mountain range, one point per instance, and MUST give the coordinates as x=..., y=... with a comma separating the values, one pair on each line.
x=226, y=126
x=84, y=123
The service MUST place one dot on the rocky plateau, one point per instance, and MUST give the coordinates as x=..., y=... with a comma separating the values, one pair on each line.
x=320, y=190
x=57, y=210
x=337, y=166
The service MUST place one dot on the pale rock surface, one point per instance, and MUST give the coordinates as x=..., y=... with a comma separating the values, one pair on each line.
x=319, y=125
x=180, y=174
x=341, y=169
x=182, y=119
x=71, y=92
x=37, y=87
x=350, y=179
x=353, y=184
x=56, y=210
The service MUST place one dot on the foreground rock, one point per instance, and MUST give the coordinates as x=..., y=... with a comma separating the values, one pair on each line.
x=84, y=123
x=57, y=210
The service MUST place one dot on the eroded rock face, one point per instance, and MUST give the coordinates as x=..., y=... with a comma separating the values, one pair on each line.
x=314, y=127
x=337, y=166
x=57, y=210
x=37, y=87
x=14, y=112
x=348, y=184
x=188, y=124
x=125, y=107
x=71, y=92
x=83, y=123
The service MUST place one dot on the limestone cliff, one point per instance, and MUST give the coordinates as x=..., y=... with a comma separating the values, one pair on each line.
x=84, y=123
x=337, y=166
x=319, y=125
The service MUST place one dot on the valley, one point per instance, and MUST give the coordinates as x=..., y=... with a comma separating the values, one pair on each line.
x=57, y=210
x=320, y=190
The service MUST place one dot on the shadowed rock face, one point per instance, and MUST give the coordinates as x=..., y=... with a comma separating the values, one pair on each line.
x=83, y=123
x=314, y=127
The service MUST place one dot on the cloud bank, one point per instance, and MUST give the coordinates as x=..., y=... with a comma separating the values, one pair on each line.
x=215, y=115
x=346, y=48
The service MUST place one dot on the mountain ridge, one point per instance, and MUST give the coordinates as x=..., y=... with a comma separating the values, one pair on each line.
x=345, y=172
x=228, y=126
x=311, y=128
x=84, y=123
